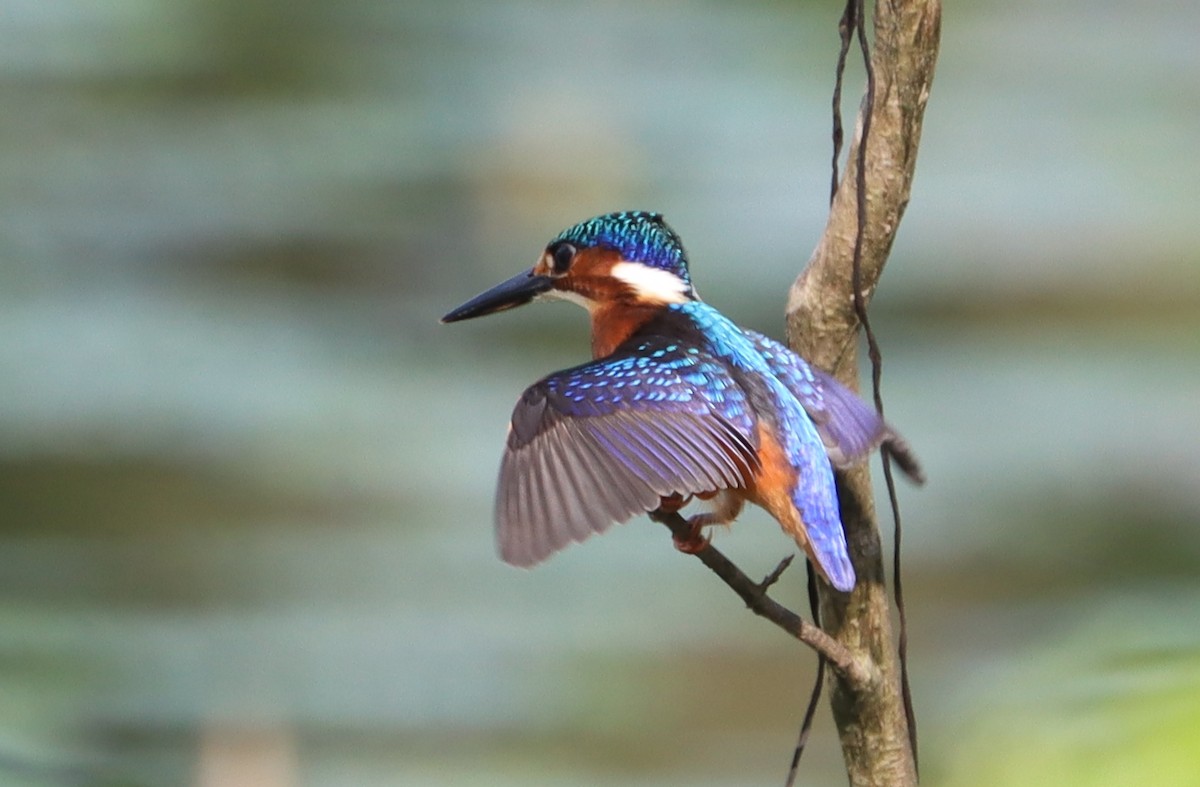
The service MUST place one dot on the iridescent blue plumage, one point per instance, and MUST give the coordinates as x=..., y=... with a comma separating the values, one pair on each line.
x=849, y=427
x=658, y=374
x=679, y=402
x=656, y=419
x=814, y=494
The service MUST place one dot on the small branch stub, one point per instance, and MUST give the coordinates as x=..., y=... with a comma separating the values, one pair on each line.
x=855, y=671
x=773, y=577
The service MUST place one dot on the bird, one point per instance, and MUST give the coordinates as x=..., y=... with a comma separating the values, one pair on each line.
x=678, y=402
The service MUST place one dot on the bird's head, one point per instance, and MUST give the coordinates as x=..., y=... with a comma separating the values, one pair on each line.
x=631, y=257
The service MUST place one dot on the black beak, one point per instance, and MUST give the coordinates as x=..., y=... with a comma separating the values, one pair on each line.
x=517, y=291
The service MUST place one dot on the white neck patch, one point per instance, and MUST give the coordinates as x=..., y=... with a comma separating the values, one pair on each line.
x=653, y=285
x=569, y=296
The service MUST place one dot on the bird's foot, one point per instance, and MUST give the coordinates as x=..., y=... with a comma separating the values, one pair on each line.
x=695, y=540
x=672, y=503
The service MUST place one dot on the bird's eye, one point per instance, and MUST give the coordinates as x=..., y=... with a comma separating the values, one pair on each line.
x=562, y=254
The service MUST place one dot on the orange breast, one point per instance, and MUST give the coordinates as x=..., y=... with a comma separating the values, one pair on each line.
x=613, y=322
x=771, y=487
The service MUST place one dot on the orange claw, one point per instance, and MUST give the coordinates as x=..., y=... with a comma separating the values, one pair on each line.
x=694, y=541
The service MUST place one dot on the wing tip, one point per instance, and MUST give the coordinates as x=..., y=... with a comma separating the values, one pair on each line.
x=517, y=559
x=520, y=548
x=842, y=578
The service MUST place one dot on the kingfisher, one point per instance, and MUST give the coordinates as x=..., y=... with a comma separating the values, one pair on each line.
x=677, y=403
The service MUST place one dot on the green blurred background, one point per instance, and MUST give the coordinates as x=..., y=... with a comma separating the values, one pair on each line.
x=246, y=478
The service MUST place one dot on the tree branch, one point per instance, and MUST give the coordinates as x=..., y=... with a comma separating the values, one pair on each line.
x=823, y=327
x=856, y=671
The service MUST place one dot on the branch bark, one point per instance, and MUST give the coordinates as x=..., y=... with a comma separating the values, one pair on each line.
x=823, y=327
x=857, y=671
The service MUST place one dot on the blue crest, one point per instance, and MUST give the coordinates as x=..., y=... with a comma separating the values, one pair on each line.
x=639, y=236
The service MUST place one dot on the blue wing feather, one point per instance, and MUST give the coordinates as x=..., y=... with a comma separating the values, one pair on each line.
x=601, y=442
x=849, y=427
x=814, y=493
x=792, y=389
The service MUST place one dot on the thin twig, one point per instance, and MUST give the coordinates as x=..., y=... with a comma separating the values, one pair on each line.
x=773, y=577
x=855, y=672
x=844, y=28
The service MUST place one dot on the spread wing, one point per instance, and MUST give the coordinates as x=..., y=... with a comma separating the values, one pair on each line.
x=849, y=427
x=599, y=443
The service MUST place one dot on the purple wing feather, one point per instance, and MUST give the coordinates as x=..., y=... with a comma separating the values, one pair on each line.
x=851, y=421
x=597, y=444
x=849, y=427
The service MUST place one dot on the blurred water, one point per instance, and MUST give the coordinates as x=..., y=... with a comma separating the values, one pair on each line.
x=246, y=478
